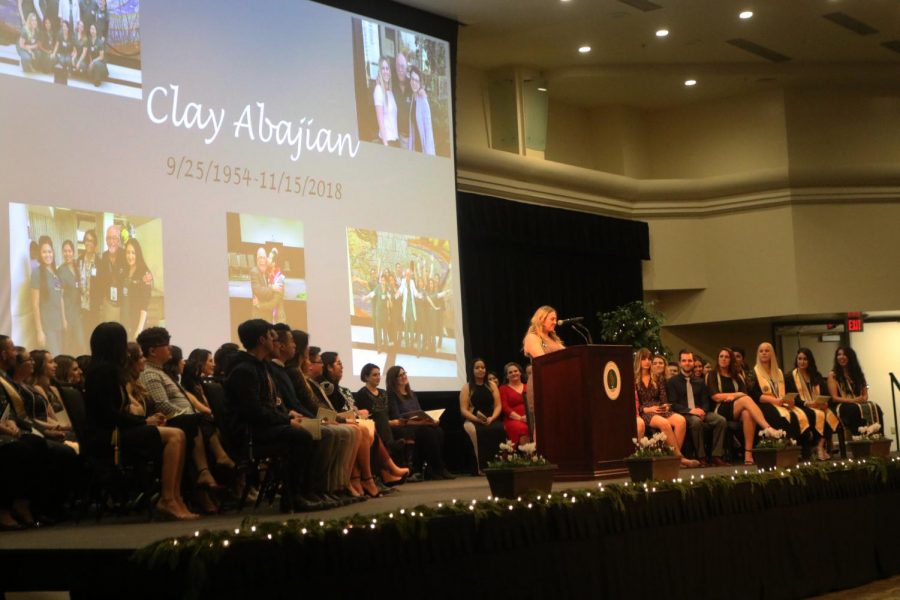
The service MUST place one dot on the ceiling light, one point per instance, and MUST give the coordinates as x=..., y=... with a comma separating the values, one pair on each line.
x=662, y=33
x=690, y=82
x=584, y=49
x=746, y=14
x=543, y=89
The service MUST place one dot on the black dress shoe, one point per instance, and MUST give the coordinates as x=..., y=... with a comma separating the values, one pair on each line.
x=445, y=474
x=303, y=503
x=415, y=478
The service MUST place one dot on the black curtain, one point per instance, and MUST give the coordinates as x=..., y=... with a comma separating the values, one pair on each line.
x=515, y=257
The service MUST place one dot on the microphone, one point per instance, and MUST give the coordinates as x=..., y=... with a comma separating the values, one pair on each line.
x=569, y=321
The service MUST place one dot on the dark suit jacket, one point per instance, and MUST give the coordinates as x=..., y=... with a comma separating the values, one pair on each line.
x=676, y=391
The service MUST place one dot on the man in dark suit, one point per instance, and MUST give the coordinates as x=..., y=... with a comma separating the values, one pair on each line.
x=690, y=397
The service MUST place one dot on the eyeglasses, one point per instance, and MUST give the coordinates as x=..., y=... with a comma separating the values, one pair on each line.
x=317, y=362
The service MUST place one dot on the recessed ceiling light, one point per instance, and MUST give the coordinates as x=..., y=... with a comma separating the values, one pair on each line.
x=662, y=32
x=690, y=82
x=584, y=49
x=747, y=14
x=543, y=89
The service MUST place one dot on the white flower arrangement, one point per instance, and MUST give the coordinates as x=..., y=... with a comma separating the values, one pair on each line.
x=869, y=433
x=657, y=445
x=774, y=438
x=524, y=456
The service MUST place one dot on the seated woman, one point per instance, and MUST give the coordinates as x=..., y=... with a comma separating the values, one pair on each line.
x=42, y=382
x=110, y=409
x=37, y=410
x=479, y=404
x=512, y=400
x=728, y=390
x=848, y=388
x=81, y=45
x=768, y=390
x=806, y=381
x=374, y=400
x=68, y=371
x=21, y=456
x=192, y=373
x=361, y=479
x=427, y=434
x=47, y=44
x=655, y=411
x=97, y=70
x=658, y=366
x=65, y=47
x=27, y=45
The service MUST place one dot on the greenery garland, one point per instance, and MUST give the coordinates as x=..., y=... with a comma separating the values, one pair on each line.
x=572, y=514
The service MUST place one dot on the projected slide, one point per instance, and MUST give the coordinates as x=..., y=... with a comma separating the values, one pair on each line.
x=94, y=45
x=265, y=270
x=401, y=98
x=400, y=286
x=71, y=269
x=250, y=149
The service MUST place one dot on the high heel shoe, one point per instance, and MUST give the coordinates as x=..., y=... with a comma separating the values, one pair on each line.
x=161, y=513
x=377, y=494
x=210, y=484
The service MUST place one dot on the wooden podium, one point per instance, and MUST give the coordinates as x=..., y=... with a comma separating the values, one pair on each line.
x=584, y=410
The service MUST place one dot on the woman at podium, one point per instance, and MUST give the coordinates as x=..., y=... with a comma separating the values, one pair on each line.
x=541, y=336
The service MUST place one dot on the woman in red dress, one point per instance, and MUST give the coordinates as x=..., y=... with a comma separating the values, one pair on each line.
x=512, y=399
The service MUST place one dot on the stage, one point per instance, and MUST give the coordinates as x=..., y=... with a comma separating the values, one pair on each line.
x=779, y=535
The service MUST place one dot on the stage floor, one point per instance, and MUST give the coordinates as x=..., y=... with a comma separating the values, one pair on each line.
x=117, y=533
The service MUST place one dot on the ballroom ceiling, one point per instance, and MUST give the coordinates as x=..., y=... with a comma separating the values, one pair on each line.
x=785, y=43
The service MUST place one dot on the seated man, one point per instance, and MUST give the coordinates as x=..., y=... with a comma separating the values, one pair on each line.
x=168, y=398
x=251, y=393
x=690, y=397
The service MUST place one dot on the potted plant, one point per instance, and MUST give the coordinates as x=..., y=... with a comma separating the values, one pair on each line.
x=870, y=442
x=515, y=471
x=775, y=449
x=653, y=459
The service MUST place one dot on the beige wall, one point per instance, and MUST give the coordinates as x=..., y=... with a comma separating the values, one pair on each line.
x=762, y=206
x=735, y=135
x=569, y=135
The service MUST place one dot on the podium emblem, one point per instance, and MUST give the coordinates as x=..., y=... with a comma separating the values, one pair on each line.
x=612, y=380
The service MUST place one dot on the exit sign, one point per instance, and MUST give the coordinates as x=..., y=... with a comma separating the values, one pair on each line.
x=854, y=323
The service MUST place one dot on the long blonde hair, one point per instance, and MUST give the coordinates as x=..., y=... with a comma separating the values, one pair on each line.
x=379, y=80
x=774, y=372
x=537, y=325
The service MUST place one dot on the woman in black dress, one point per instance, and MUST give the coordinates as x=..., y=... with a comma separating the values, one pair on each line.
x=728, y=390
x=111, y=425
x=480, y=406
x=374, y=399
x=848, y=388
x=806, y=381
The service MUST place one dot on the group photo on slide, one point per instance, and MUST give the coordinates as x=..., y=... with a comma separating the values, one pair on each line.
x=89, y=44
x=401, y=294
x=402, y=94
x=72, y=269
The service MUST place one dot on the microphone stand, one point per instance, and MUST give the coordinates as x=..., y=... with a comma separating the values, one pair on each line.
x=583, y=332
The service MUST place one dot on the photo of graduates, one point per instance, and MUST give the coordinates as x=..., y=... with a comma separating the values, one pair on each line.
x=400, y=312
x=88, y=44
x=266, y=274
x=402, y=82
x=72, y=269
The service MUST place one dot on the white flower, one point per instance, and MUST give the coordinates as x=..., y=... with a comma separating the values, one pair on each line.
x=645, y=443
x=863, y=430
x=634, y=441
x=527, y=448
x=874, y=428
